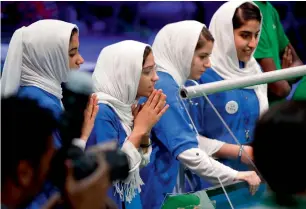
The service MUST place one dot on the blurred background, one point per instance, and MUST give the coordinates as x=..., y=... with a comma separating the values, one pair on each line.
x=103, y=23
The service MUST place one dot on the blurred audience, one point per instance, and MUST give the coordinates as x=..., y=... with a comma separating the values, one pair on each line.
x=279, y=153
x=25, y=167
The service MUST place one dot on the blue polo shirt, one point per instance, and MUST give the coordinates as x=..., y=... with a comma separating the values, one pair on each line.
x=239, y=108
x=51, y=102
x=107, y=128
x=172, y=135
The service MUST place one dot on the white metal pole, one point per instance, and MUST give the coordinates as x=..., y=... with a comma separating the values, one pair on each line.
x=225, y=85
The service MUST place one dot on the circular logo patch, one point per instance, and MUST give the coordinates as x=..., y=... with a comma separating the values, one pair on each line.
x=231, y=107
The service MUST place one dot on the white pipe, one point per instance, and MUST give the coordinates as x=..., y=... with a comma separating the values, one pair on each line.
x=225, y=85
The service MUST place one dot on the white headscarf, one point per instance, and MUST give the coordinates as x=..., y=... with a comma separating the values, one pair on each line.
x=174, y=47
x=38, y=56
x=116, y=78
x=224, y=58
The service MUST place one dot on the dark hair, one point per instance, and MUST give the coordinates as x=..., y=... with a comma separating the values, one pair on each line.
x=247, y=11
x=146, y=53
x=74, y=31
x=204, y=37
x=26, y=134
x=279, y=149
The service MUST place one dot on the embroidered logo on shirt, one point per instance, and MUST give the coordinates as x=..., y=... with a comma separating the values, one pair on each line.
x=274, y=26
x=231, y=107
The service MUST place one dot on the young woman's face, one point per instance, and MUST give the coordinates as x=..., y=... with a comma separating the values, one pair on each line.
x=75, y=59
x=148, y=77
x=201, y=61
x=246, y=39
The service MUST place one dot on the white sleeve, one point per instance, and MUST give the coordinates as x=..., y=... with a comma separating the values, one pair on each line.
x=132, y=153
x=206, y=167
x=210, y=146
x=79, y=143
x=145, y=157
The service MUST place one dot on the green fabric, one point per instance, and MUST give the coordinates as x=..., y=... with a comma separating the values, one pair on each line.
x=300, y=92
x=273, y=39
x=189, y=201
x=276, y=102
x=181, y=201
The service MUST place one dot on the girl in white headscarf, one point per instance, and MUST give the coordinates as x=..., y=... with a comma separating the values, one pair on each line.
x=232, y=58
x=38, y=61
x=182, y=51
x=124, y=72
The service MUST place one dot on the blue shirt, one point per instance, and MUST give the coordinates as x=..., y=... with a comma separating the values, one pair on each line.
x=239, y=108
x=45, y=100
x=49, y=101
x=171, y=136
x=107, y=128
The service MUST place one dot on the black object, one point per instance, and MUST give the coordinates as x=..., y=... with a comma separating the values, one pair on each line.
x=76, y=93
x=146, y=145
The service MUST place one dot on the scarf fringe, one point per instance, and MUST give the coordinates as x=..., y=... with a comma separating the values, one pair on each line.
x=127, y=189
